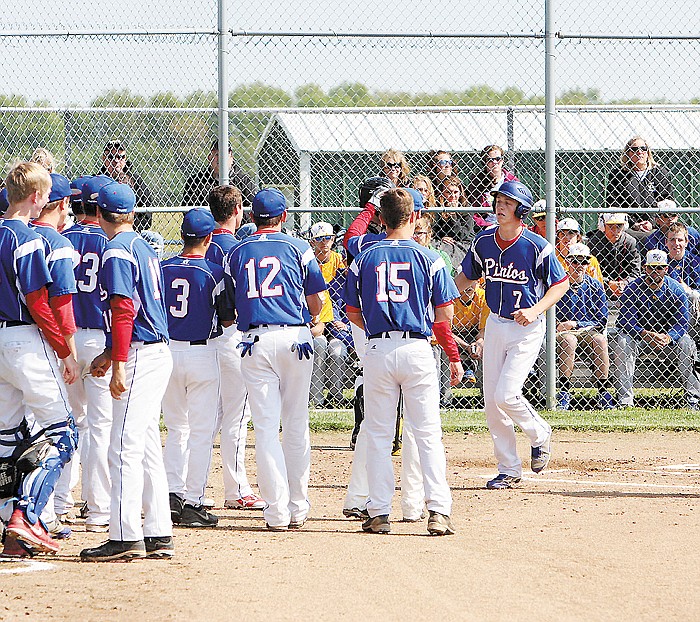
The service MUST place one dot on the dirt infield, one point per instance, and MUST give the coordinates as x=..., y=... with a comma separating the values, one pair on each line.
x=610, y=532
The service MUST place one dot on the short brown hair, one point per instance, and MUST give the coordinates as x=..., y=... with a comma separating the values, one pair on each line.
x=266, y=222
x=117, y=219
x=25, y=179
x=223, y=201
x=677, y=226
x=396, y=206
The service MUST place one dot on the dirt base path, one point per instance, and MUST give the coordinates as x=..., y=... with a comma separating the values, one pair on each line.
x=611, y=531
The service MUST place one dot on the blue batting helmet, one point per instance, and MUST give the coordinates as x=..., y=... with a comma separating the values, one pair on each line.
x=518, y=192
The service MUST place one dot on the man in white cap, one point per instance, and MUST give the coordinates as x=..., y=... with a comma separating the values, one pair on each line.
x=582, y=316
x=617, y=253
x=654, y=314
x=664, y=219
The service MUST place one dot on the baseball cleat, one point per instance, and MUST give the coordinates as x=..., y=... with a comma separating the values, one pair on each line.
x=34, y=536
x=362, y=514
x=159, y=547
x=58, y=530
x=249, y=502
x=197, y=516
x=540, y=455
x=564, y=400
x=415, y=519
x=114, y=551
x=378, y=524
x=16, y=549
x=605, y=401
x=440, y=525
x=502, y=480
x=95, y=528
x=297, y=523
x=277, y=527
x=176, y=505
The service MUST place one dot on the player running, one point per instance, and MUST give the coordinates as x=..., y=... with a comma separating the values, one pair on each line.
x=523, y=279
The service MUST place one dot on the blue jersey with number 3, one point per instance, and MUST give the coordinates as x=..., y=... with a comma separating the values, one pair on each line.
x=271, y=274
x=194, y=289
x=89, y=242
x=397, y=284
x=517, y=272
x=130, y=268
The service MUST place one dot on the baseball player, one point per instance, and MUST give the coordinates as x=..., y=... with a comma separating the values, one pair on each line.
x=226, y=205
x=395, y=290
x=30, y=377
x=276, y=284
x=89, y=395
x=194, y=289
x=523, y=279
x=136, y=351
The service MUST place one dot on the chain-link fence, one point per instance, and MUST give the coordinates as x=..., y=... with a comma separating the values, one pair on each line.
x=319, y=100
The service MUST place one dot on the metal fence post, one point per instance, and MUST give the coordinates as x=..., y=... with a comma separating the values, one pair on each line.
x=68, y=143
x=550, y=187
x=222, y=81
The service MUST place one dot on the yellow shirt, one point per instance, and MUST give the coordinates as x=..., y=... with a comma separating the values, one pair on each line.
x=471, y=315
x=592, y=269
x=329, y=269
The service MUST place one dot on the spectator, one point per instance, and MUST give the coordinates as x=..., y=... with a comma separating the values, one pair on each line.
x=582, y=317
x=638, y=183
x=617, y=253
x=539, y=219
x=654, y=315
x=684, y=267
x=45, y=158
x=330, y=350
x=449, y=226
x=468, y=323
x=441, y=168
x=569, y=233
x=488, y=178
x=116, y=165
x=667, y=217
x=395, y=168
x=198, y=186
x=425, y=187
x=423, y=234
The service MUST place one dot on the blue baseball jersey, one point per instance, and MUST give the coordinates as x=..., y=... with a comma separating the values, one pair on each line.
x=130, y=268
x=270, y=274
x=60, y=257
x=517, y=273
x=222, y=241
x=585, y=304
x=685, y=270
x=23, y=269
x=656, y=240
x=397, y=284
x=362, y=242
x=89, y=242
x=194, y=294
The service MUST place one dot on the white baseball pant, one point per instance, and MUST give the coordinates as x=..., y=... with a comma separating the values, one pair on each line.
x=190, y=406
x=278, y=387
x=233, y=416
x=392, y=365
x=135, y=453
x=510, y=351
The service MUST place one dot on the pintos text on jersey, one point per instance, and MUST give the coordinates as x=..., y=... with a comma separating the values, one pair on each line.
x=506, y=274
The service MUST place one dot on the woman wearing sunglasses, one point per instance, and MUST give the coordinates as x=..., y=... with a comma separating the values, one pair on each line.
x=441, y=167
x=395, y=168
x=639, y=183
x=489, y=177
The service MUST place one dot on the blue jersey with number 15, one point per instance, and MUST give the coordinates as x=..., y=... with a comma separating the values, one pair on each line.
x=397, y=284
x=130, y=268
x=271, y=274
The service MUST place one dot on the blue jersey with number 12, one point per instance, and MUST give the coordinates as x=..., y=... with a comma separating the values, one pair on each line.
x=130, y=268
x=397, y=284
x=271, y=274
x=517, y=272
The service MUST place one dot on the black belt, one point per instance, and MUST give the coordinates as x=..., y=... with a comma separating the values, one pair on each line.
x=407, y=334
x=11, y=323
x=199, y=342
x=252, y=326
x=150, y=343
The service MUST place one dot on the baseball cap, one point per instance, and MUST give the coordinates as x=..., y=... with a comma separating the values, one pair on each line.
x=116, y=198
x=4, y=203
x=668, y=207
x=197, y=223
x=245, y=230
x=321, y=229
x=539, y=208
x=578, y=249
x=77, y=187
x=92, y=187
x=60, y=187
x=656, y=258
x=617, y=218
x=269, y=203
x=417, y=199
x=568, y=224
x=155, y=240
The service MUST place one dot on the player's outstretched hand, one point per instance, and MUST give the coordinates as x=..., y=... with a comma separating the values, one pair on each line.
x=71, y=369
x=117, y=385
x=100, y=365
x=303, y=350
x=525, y=316
x=247, y=346
x=456, y=373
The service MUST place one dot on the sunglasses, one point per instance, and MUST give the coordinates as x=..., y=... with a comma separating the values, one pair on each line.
x=117, y=156
x=657, y=268
x=445, y=162
x=324, y=238
x=582, y=261
x=538, y=218
x=419, y=234
x=640, y=149
x=391, y=164
x=496, y=159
